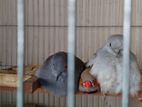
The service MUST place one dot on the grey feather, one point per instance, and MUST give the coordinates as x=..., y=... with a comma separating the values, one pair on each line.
x=107, y=67
x=53, y=73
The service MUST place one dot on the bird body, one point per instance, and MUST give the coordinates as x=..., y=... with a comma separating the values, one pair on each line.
x=103, y=68
x=53, y=73
x=88, y=83
x=134, y=75
x=107, y=67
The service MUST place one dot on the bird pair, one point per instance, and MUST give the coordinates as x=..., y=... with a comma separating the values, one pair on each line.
x=106, y=66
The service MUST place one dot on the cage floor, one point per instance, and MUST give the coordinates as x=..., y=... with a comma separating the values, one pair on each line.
x=8, y=78
x=8, y=81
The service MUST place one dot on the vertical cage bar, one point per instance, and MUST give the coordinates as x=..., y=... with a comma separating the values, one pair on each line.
x=126, y=53
x=20, y=51
x=71, y=51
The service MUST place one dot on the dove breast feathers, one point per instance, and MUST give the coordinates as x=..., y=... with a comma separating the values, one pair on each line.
x=108, y=68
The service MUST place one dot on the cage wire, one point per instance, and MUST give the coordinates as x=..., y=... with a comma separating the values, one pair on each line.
x=20, y=53
x=8, y=53
x=71, y=51
x=126, y=53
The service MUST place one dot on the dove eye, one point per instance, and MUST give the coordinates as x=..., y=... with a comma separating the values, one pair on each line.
x=110, y=44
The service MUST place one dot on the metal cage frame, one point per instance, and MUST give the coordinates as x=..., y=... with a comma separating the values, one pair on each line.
x=71, y=49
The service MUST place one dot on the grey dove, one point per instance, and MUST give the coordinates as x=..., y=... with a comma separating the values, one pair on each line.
x=107, y=65
x=53, y=73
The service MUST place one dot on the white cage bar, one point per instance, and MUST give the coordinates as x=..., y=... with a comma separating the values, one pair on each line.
x=20, y=52
x=71, y=50
x=126, y=52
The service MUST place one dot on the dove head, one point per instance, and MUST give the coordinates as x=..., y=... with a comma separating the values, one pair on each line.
x=115, y=44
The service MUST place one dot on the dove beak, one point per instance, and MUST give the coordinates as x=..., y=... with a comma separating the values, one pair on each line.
x=118, y=52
